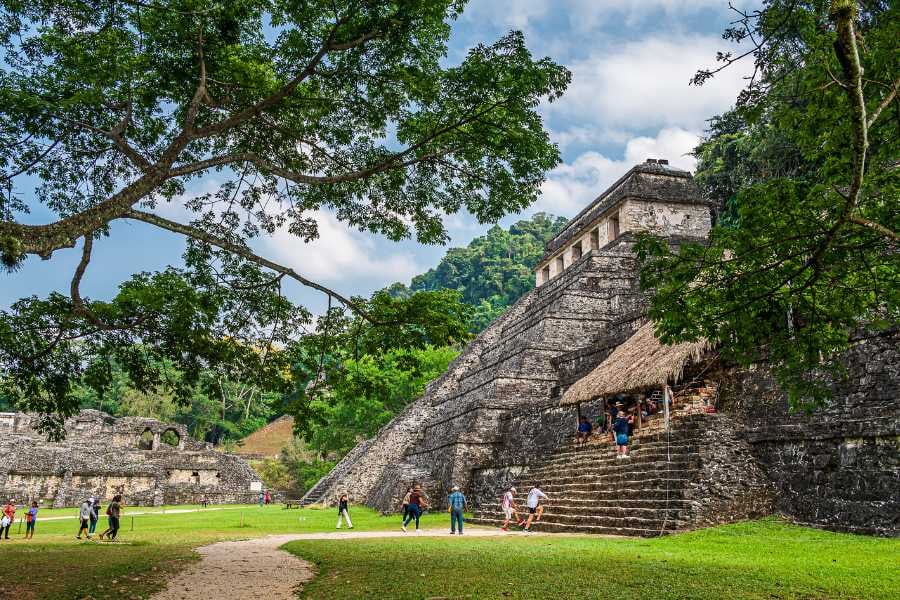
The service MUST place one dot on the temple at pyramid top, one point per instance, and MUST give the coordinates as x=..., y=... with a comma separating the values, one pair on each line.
x=651, y=196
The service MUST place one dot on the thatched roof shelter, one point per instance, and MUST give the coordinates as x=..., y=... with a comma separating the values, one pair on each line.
x=641, y=362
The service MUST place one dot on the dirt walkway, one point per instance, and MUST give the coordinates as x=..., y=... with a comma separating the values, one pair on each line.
x=257, y=568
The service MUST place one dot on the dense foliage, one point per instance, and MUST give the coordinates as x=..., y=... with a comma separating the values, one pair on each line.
x=352, y=375
x=804, y=258
x=115, y=107
x=494, y=270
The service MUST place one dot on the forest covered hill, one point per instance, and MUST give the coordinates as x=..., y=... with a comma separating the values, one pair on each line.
x=494, y=270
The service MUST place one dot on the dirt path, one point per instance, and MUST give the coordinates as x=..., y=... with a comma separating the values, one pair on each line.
x=257, y=568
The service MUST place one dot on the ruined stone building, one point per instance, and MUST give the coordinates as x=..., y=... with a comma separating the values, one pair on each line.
x=149, y=462
x=502, y=413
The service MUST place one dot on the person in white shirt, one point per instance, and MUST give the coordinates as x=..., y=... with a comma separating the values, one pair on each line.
x=534, y=505
x=508, y=504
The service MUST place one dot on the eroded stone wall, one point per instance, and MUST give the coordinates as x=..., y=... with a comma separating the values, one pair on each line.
x=839, y=465
x=103, y=456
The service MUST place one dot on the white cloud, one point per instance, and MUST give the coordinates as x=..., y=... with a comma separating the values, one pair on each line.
x=644, y=84
x=339, y=254
x=570, y=187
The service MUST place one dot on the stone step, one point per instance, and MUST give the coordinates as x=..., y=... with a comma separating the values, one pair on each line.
x=672, y=483
x=604, y=477
x=629, y=531
x=564, y=513
x=641, y=462
x=607, y=448
x=654, y=502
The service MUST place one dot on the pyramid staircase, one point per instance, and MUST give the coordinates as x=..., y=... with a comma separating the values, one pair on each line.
x=648, y=494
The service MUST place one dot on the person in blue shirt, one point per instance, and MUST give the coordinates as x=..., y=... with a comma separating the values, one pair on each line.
x=457, y=503
x=620, y=430
x=584, y=430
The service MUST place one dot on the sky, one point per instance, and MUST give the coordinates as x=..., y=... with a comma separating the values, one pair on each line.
x=629, y=100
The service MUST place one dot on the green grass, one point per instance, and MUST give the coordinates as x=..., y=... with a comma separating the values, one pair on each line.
x=762, y=559
x=54, y=565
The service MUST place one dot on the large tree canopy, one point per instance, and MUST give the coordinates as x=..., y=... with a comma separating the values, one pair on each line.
x=115, y=106
x=804, y=257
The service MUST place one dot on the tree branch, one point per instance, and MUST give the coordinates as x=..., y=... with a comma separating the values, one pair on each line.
x=892, y=93
x=78, y=305
x=875, y=227
x=244, y=252
x=270, y=101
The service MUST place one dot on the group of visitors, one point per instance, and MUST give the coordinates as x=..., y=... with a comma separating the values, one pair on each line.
x=89, y=514
x=533, y=503
x=8, y=516
x=414, y=504
x=618, y=421
x=265, y=498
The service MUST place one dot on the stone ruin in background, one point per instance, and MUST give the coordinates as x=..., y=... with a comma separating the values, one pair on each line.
x=147, y=461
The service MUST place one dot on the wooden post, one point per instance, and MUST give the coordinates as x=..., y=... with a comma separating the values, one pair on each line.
x=20, y=524
x=242, y=518
x=132, y=522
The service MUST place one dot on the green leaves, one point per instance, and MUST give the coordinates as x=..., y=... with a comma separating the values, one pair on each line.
x=791, y=275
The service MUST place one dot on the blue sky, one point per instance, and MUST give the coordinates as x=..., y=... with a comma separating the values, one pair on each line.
x=629, y=100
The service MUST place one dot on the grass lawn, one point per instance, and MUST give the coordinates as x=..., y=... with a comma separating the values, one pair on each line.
x=762, y=559
x=56, y=565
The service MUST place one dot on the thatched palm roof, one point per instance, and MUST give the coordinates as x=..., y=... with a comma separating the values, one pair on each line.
x=641, y=362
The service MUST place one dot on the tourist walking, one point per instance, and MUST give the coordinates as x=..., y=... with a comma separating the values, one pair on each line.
x=6, y=520
x=84, y=516
x=262, y=498
x=417, y=503
x=508, y=504
x=457, y=505
x=620, y=430
x=30, y=520
x=409, y=492
x=343, y=511
x=267, y=498
x=113, y=512
x=534, y=505
x=95, y=516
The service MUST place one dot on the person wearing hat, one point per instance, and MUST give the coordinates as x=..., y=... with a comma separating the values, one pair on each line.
x=417, y=504
x=621, y=427
x=84, y=515
x=456, y=502
x=508, y=504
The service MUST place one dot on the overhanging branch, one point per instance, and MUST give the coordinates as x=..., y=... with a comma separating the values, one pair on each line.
x=247, y=254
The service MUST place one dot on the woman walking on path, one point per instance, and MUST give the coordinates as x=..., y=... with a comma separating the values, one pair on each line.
x=84, y=516
x=457, y=502
x=409, y=492
x=417, y=503
x=95, y=516
x=9, y=515
x=113, y=512
x=343, y=511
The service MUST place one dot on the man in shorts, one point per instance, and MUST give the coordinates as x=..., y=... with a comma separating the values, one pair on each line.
x=508, y=504
x=534, y=507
